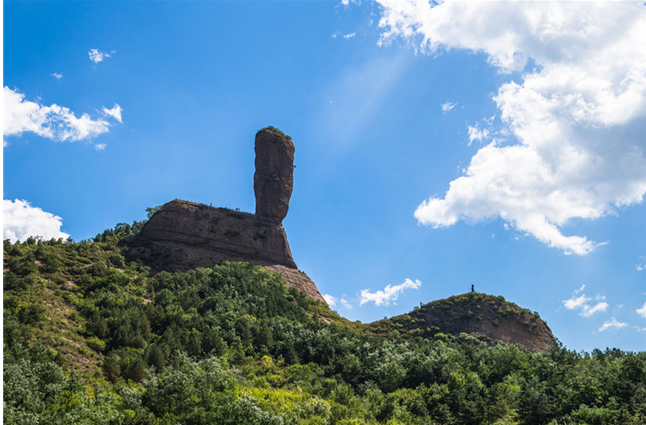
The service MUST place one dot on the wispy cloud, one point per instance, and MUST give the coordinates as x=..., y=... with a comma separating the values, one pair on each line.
x=574, y=120
x=334, y=301
x=346, y=36
x=446, y=107
x=389, y=294
x=612, y=324
x=100, y=146
x=588, y=311
x=346, y=304
x=477, y=134
x=641, y=266
x=96, y=56
x=57, y=75
x=53, y=122
x=581, y=302
x=21, y=220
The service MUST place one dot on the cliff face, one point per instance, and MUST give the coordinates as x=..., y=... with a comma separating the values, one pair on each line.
x=185, y=235
x=491, y=318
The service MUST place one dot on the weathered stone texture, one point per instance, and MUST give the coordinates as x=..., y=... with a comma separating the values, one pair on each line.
x=274, y=177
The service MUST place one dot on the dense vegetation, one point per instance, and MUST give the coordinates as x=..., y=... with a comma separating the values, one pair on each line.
x=91, y=337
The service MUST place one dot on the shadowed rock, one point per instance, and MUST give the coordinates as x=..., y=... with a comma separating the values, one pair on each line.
x=274, y=177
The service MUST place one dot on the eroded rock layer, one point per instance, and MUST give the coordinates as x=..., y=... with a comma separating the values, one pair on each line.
x=185, y=235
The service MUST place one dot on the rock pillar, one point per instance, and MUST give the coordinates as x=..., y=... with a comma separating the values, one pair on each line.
x=274, y=177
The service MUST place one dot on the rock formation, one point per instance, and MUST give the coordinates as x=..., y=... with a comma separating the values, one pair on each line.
x=273, y=180
x=185, y=235
x=491, y=318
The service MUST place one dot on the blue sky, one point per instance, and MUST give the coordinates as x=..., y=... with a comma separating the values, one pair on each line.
x=498, y=144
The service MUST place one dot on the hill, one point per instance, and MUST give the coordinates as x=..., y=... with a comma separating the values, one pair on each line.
x=490, y=318
x=93, y=337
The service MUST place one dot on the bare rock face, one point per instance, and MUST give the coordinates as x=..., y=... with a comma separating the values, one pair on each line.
x=274, y=177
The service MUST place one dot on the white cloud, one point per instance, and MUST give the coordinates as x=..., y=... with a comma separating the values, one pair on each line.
x=389, y=294
x=588, y=311
x=96, y=56
x=21, y=220
x=642, y=311
x=53, y=122
x=446, y=107
x=333, y=301
x=581, y=302
x=346, y=3
x=612, y=323
x=346, y=36
x=57, y=75
x=576, y=302
x=576, y=120
x=330, y=300
x=100, y=146
x=115, y=112
x=346, y=304
x=477, y=134
x=641, y=266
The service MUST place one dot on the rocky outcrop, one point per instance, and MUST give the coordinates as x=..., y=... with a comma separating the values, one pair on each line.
x=491, y=318
x=274, y=177
x=185, y=235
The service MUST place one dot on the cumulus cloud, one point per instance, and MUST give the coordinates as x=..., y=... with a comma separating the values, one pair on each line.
x=96, y=56
x=446, y=107
x=576, y=121
x=642, y=311
x=581, y=302
x=612, y=323
x=54, y=122
x=21, y=220
x=389, y=294
x=57, y=75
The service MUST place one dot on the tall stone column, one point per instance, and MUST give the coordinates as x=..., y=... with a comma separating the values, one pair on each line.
x=274, y=177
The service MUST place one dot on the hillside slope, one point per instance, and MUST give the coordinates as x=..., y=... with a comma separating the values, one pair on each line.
x=93, y=338
x=491, y=318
